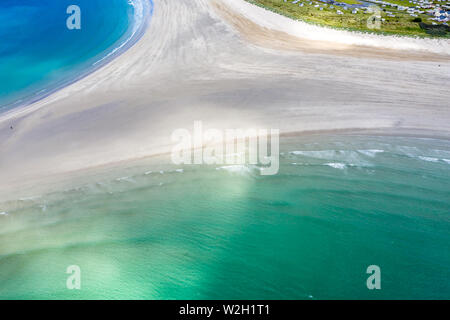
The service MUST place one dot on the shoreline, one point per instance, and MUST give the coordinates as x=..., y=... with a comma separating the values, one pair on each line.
x=78, y=178
x=23, y=104
x=197, y=66
x=27, y=106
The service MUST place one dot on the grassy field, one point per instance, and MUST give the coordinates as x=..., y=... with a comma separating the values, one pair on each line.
x=351, y=1
x=401, y=24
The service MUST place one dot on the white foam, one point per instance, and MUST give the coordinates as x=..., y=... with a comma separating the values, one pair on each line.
x=319, y=154
x=346, y=156
x=441, y=153
x=337, y=165
x=371, y=152
x=235, y=169
x=407, y=150
x=139, y=19
x=429, y=159
x=300, y=164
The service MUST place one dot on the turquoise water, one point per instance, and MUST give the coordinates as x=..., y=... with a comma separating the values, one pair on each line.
x=39, y=53
x=150, y=230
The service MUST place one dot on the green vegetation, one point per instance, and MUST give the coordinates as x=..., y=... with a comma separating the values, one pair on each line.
x=393, y=21
x=351, y=1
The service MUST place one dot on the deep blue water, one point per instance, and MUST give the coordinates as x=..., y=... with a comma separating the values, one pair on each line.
x=39, y=53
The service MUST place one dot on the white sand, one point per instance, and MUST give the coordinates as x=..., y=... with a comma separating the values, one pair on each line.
x=307, y=31
x=197, y=61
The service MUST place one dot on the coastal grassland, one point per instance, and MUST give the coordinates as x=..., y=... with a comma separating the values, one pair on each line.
x=401, y=24
x=404, y=3
x=351, y=1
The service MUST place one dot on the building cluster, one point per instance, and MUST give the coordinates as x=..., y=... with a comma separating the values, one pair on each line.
x=437, y=10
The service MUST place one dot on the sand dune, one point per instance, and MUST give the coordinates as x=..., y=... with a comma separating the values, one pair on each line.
x=271, y=30
x=283, y=30
x=218, y=61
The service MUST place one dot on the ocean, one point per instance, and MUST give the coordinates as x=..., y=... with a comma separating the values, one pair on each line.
x=39, y=54
x=152, y=230
x=148, y=229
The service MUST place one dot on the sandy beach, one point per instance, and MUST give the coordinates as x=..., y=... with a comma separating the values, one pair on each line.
x=230, y=65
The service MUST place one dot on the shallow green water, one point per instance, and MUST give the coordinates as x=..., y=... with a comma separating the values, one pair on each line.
x=338, y=205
